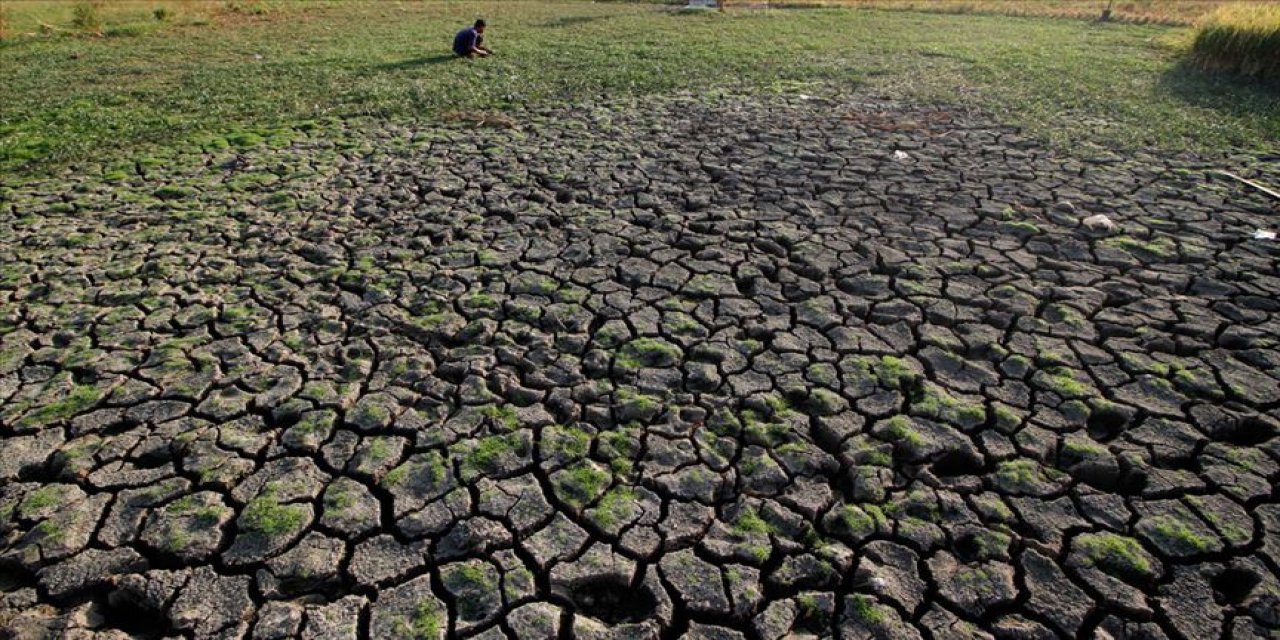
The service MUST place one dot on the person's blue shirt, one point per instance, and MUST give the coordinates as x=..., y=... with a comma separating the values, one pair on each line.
x=465, y=41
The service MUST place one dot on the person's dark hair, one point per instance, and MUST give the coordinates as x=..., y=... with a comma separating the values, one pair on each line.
x=479, y=23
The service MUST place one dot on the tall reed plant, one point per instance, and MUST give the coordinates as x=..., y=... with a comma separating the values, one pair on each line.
x=1240, y=38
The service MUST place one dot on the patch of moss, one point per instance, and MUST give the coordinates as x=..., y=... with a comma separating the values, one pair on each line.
x=757, y=430
x=620, y=443
x=856, y=521
x=486, y=452
x=1007, y=418
x=50, y=532
x=279, y=201
x=822, y=373
x=902, y=432
x=173, y=192
x=648, y=352
x=932, y=401
x=433, y=470
x=810, y=611
x=205, y=515
x=749, y=523
x=572, y=294
x=380, y=449
x=1020, y=228
x=427, y=621
x=912, y=287
x=918, y=504
x=989, y=544
x=244, y=139
x=78, y=400
x=579, y=485
x=371, y=413
x=40, y=498
x=470, y=578
x=1161, y=247
x=871, y=453
x=571, y=442
x=1063, y=382
x=779, y=407
x=616, y=505
x=315, y=422
x=339, y=498
x=894, y=372
x=1021, y=474
x=504, y=415
x=866, y=609
x=993, y=507
x=265, y=515
x=639, y=401
x=481, y=301
x=1174, y=532
x=1115, y=553
x=1142, y=363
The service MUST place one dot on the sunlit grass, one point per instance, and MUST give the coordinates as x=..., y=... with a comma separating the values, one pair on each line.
x=1174, y=12
x=26, y=19
x=1240, y=38
x=67, y=99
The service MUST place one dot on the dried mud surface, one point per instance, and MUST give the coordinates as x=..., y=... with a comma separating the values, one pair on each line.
x=697, y=366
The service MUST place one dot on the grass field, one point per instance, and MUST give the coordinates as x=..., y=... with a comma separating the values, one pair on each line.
x=1172, y=12
x=205, y=68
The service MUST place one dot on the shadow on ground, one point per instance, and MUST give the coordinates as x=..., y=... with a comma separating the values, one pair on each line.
x=412, y=63
x=571, y=21
x=1227, y=94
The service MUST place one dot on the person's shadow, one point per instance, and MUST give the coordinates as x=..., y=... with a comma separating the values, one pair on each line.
x=417, y=62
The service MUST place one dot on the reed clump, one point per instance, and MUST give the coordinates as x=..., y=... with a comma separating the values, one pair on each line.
x=1240, y=38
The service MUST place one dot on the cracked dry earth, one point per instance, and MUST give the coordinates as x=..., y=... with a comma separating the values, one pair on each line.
x=707, y=367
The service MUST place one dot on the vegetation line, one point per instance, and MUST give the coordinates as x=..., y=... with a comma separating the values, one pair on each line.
x=207, y=72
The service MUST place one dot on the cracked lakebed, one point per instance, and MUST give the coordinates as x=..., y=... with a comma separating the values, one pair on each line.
x=703, y=366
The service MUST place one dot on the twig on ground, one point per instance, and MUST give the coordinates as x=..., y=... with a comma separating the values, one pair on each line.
x=1250, y=183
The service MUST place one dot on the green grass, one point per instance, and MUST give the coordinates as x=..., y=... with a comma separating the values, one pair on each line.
x=1162, y=247
x=581, y=484
x=78, y=400
x=891, y=371
x=1240, y=38
x=1062, y=381
x=65, y=99
x=648, y=352
x=470, y=581
x=427, y=621
x=1022, y=474
x=1175, y=532
x=1142, y=11
x=901, y=431
x=265, y=515
x=505, y=416
x=616, y=505
x=856, y=520
x=934, y=402
x=487, y=452
x=1116, y=554
x=750, y=523
x=867, y=610
x=41, y=498
x=205, y=516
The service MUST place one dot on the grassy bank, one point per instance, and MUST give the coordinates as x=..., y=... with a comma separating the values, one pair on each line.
x=1242, y=39
x=70, y=98
x=1169, y=12
x=26, y=19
